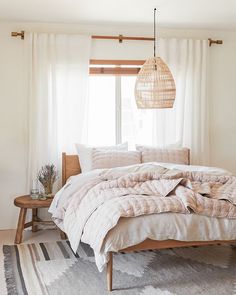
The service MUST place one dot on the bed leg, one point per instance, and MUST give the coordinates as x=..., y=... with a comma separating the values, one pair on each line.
x=109, y=272
x=63, y=235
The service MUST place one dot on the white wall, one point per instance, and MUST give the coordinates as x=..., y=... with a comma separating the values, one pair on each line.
x=222, y=91
x=13, y=98
x=13, y=132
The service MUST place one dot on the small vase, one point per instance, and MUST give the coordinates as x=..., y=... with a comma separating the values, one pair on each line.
x=34, y=193
x=48, y=190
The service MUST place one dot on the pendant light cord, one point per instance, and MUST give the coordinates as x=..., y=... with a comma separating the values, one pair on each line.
x=154, y=32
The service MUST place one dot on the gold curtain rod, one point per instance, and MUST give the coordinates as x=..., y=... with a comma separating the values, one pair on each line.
x=120, y=38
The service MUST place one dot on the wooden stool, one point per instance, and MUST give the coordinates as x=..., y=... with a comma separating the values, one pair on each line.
x=26, y=202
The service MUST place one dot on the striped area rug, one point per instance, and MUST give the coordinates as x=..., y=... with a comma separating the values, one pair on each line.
x=52, y=268
x=20, y=263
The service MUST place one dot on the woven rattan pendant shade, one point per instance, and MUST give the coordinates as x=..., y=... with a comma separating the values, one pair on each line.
x=155, y=86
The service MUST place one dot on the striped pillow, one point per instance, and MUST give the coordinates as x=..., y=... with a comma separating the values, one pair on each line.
x=112, y=159
x=85, y=153
x=164, y=155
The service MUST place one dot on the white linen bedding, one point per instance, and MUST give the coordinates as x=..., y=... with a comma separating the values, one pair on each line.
x=163, y=226
x=74, y=183
x=205, y=228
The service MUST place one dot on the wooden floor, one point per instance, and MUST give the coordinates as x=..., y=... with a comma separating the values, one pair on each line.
x=7, y=238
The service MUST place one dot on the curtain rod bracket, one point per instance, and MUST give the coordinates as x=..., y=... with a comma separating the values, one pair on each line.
x=120, y=38
x=16, y=34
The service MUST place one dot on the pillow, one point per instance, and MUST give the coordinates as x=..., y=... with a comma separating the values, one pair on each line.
x=85, y=153
x=112, y=159
x=164, y=155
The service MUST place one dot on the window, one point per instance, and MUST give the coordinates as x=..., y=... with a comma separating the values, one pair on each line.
x=113, y=115
x=135, y=123
x=102, y=110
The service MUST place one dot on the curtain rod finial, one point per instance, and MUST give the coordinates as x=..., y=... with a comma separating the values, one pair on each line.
x=16, y=34
x=214, y=41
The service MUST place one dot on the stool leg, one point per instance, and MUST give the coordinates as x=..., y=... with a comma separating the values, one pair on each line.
x=34, y=218
x=20, y=225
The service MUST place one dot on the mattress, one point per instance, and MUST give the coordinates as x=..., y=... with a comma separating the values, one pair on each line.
x=164, y=226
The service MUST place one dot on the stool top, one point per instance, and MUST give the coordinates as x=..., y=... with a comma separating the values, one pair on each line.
x=27, y=202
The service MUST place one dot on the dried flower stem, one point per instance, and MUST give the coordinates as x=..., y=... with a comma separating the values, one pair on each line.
x=47, y=176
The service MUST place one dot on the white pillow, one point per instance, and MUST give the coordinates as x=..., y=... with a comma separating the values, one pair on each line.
x=85, y=153
x=112, y=159
x=165, y=155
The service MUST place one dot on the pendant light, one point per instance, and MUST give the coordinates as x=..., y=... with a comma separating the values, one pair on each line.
x=155, y=85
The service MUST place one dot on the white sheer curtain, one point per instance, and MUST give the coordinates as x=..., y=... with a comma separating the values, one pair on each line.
x=58, y=67
x=187, y=123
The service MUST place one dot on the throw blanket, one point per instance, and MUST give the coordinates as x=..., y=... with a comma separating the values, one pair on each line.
x=110, y=196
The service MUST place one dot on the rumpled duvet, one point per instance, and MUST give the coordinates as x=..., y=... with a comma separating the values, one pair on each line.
x=112, y=195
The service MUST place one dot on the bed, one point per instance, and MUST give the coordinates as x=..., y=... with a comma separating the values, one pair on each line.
x=71, y=166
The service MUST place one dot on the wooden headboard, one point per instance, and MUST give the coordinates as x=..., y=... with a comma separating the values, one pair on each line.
x=70, y=166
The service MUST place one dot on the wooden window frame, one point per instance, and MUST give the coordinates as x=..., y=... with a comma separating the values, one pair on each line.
x=114, y=67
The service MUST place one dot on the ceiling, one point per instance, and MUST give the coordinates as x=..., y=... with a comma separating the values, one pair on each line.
x=205, y=14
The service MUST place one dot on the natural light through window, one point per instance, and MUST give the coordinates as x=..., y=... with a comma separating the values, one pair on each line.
x=135, y=123
x=101, y=122
x=113, y=114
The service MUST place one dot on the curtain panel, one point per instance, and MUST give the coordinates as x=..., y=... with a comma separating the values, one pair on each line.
x=186, y=124
x=58, y=69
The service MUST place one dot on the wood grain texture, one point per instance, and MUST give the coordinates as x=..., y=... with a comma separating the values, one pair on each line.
x=28, y=224
x=121, y=38
x=116, y=62
x=114, y=71
x=70, y=166
x=20, y=225
x=63, y=235
x=34, y=218
x=63, y=167
x=109, y=272
x=152, y=244
x=27, y=202
x=189, y=157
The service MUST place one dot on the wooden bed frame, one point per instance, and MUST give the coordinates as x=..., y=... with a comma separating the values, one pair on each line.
x=71, y=166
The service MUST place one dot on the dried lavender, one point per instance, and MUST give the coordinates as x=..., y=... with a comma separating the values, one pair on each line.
x=47, y=176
